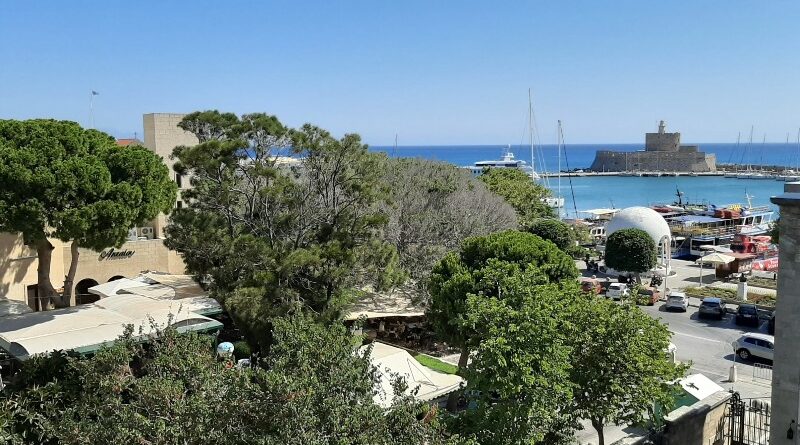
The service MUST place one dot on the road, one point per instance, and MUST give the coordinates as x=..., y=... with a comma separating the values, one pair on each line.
x=706, y=343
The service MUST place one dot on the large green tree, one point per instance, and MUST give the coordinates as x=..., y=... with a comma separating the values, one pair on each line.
x=518, y=376
x=273, y=234
x=558, y=232
x=433, y=207
x=519, y=190
x=61, y=181
x=630, y=250
x=620, y=369
x=312, y=389
x=459, y=275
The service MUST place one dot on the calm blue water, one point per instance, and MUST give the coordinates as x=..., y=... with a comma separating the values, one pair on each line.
x=620, y=192
x=582, y=155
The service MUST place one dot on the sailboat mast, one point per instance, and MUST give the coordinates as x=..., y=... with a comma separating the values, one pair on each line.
x=560, y=142
x=749, y=149
x=530, y=132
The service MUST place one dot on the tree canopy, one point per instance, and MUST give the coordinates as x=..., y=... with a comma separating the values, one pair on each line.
x=312, y=389
x=62, y=181
x=620, y=369
x=477, y=269
x=558, y=232
x=519, y=190
x=433, y=207
x=271, y=234
x=630, y=250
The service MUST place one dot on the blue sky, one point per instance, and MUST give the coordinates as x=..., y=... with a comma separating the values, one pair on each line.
x=433, y=72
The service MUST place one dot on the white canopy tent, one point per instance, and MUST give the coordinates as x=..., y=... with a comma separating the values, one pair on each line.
x=166, y=287
x=390, y=360
x=86, y=328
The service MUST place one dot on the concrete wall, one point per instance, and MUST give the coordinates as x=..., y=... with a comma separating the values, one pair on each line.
x=698, y=424
x=786, y=365
x=662, y=141
x=162, y=135
x=617, y=161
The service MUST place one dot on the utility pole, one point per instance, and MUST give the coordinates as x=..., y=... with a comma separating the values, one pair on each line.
x=91, y=108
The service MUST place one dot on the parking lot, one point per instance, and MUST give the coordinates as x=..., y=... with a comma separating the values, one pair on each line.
x=706, y=343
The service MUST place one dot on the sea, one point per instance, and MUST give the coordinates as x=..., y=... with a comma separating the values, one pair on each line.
x=592, y=192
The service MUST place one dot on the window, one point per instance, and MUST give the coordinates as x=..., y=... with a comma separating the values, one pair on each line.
x=765, y=344
x=750, y=341
x=179, y=180
x=179, y=205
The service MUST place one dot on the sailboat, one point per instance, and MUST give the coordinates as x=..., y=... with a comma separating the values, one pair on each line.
x=792, y=175
x=760, y=174
x=748, y=174
x=557, y=202
x=736, y=173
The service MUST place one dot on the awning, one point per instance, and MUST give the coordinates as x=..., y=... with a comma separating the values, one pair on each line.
x=391, y=361
x=88, y=327
x=158, y=286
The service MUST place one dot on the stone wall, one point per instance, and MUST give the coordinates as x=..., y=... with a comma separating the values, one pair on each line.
x=662, y=141
x=785, y=375
x=618, y=161
x=698, y=424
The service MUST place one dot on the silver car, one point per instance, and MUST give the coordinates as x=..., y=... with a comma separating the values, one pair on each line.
x=753, y=345
x=677, y=300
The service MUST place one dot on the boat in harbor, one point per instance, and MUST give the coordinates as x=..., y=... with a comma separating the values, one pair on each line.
x=696, y=228
x=506, y=161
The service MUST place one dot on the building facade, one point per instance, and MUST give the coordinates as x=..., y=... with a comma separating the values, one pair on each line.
x=143, y=251
x=663, y=152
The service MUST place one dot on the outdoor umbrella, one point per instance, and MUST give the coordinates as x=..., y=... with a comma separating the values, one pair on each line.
x=713, y=258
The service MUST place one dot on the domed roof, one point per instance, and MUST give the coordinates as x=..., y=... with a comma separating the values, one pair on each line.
x=642, y=218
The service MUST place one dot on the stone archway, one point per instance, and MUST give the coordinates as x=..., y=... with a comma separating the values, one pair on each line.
x=82, y=295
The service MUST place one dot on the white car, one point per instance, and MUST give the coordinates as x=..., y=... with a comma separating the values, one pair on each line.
x=617, y=291
x=755, y=345
x=677, y=300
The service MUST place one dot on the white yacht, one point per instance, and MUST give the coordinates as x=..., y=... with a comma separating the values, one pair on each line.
x=507, y=161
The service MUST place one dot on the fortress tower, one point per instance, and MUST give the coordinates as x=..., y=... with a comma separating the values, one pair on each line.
x=662, y=141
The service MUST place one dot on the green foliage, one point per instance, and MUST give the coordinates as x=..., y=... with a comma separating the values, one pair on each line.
x=619, y=365
x=519, y=190
x=433, y=207
x=555, y=231
x=274, y=238
x=630, y=250
x=518, y=377
x=241, y=349
x=436, y=364
x=481, y=260
x=61, y=181
x=312, y=390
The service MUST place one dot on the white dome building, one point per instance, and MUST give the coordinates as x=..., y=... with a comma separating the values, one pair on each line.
x=648, y=220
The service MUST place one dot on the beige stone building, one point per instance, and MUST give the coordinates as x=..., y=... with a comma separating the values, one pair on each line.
x=144, y=250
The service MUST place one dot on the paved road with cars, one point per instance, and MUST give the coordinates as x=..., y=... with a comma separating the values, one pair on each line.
x=707, y=342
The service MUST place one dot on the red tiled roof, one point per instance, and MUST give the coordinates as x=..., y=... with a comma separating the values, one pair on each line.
x=126, y=142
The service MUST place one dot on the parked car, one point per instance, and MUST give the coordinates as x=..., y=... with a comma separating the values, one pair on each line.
x=712, y=307
x=649, y=296
x=771, y=325
x=747, y=314
x=591, y=285
x=617, y=291
x=677, y=300
x=754, y=345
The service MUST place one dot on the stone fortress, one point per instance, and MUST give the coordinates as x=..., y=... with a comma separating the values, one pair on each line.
x=663, y=152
